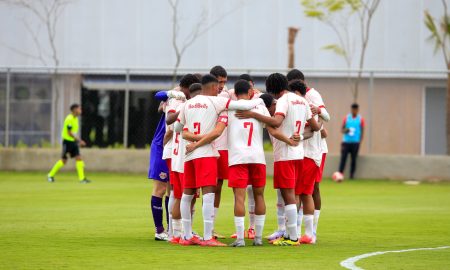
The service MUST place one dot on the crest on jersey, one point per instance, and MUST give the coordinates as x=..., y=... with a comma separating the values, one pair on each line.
x=163, y=175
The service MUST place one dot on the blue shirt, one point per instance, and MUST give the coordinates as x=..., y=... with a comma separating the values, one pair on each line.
x=355, y=126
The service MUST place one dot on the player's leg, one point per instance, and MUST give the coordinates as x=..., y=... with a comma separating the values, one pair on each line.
x=79, y=164
x=258, y=174
x=344, y=153
x=354, y=156
x=299, y=215
x=159, y=189
x=222, y=173
x=239, y=216
x=58, y=165
x=217, y=197
x=177, y=191
x=317, y=206
x=189, y=190
x=251, y=212
x=169, y=201
x=305, y=188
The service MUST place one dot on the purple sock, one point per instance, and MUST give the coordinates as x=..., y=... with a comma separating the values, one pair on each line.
x=166, y=203
x=157, y=212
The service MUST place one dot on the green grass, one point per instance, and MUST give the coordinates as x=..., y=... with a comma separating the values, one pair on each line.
x=108, y=224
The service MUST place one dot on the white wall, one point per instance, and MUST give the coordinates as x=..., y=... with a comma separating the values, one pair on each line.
x=137, y=33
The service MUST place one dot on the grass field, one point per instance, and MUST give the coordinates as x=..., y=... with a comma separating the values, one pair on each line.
x=108, y=224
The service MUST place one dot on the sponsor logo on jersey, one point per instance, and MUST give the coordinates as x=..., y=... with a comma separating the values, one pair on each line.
x=198, y=106
x=298, y=102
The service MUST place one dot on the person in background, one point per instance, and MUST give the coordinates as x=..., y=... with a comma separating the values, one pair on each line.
x=70, y=146
x=353, y=130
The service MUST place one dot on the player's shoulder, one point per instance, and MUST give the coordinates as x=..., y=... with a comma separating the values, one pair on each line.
x=69, y=117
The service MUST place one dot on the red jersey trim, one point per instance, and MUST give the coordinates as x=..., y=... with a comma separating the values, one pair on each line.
x=185, y=129
x=322, y=106
x=280, y=113
x=178, y=119
x=228, y=103
x=223, y=119
x=171, y=111
x=307, y=89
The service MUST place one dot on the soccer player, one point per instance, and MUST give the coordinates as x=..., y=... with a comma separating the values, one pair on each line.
x=291, y=114
x=221, y=145
x=71, y=146
x=171, y=112
x=199, y=116
x=315, y=147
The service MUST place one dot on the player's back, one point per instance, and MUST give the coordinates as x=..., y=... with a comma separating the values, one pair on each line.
x=201, y=114
x=313, y=146
x=246, y=138
x=296, y=112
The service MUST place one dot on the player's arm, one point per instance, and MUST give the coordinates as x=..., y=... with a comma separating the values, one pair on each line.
x=167, y=136
x=323, y=133
x=277, y=134
x=307, y=133
x=315, y=126
x=207, y=138
x=344, y=129
x=189, y=136
x=362, y=129
x=267, y=120
x=71, y=134
x=171, y=117
x=321, y=112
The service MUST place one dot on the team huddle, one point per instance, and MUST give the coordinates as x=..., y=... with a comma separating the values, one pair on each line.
x=212, y=133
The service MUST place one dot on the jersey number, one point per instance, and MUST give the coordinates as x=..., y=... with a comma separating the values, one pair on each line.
x=196, y=128
x=177, y=144
x=249, y=125
x=298, y=124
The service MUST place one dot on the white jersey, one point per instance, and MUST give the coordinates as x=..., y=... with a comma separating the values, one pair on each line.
x=313, y=146
x=199, y=116
x=170, y=107
x=296, y=112
x=247, y=138
x=221, y=143
x=178, y=148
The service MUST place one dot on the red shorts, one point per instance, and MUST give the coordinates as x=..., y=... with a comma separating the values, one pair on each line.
x=287, y=173
x=322, y=165
x=242, y=175
x=200, y=172
x=169, y=164
x=310, y=173
x=222, y=165
x=176, y=180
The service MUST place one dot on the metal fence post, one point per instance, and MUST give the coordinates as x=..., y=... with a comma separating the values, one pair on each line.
x=369, y=133
x=7, y=107
x=126, y=109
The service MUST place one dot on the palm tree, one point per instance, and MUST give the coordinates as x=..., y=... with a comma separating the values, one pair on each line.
x=440, y=35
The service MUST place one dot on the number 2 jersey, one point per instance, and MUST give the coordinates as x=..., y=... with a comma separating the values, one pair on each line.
x=296, y=112
x=199, y=116
x=246, y=138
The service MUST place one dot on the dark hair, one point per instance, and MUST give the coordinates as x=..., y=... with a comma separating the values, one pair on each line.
x=246, y=77
x=276, y=83
x=241, y=87
x=355, y=106
x=209, y=79
x=199, y=76
x=195, y=87
x=268, y=100
x=295, y=74
x=297, y=85
x=188, y=79
x=218, y=71
x=74, y=106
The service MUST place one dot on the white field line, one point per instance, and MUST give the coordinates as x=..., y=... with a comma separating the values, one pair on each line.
x=350, y=262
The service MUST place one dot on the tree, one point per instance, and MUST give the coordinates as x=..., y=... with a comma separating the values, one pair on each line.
x=200, y=28
x=47, y=14
x=440, y=35
x=339, y=16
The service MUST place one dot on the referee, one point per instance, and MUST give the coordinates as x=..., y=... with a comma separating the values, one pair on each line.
x=71, y=146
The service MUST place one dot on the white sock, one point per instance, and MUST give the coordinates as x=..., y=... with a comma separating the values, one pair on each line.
x=216, y=212
x=309, y=220
x=192, y=214
x=259, y=225
x=290, y=211
x=251, y=206
x=281, y=219
x=240, y=227
x=208, y=215
x=177, y=228
x=316, y=220
x=171, y=203
x=299, y=221
x=185, y=208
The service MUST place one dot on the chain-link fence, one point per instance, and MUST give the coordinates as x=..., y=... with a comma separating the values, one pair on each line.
x=404, y=110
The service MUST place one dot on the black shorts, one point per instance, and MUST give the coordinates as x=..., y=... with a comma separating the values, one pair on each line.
x=70, y=148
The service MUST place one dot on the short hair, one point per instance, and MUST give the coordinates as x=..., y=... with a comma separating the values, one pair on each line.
x=268, y=100
x=246, y=77
x=188, y=79
x=218, y=71
x=241, y=87
x=209, y=79
x=298, y=85
x=295, y=74
x=276, y=83
x=74, y=106
x=195, y=87
x=355, y=106
x=199, y=76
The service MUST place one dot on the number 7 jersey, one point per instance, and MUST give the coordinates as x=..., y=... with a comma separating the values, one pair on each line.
x=296, y=112
x=245, y=138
